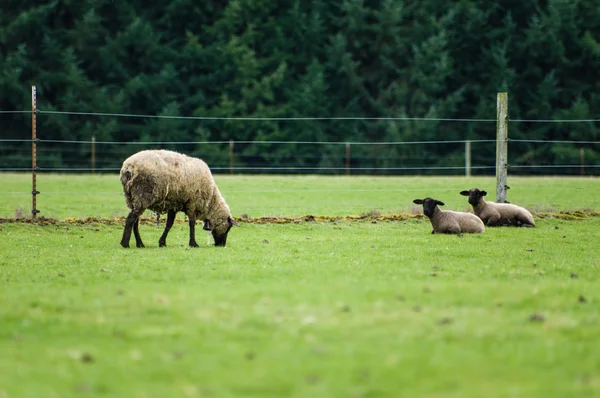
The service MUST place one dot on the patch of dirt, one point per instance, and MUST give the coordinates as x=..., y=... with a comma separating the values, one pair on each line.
x=569, y=215
x=244, y=219
x=369, y=217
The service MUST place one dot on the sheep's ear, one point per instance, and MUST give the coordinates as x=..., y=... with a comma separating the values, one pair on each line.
x=418, y=201
x=464, y=193
x=439, y=203
x=483, y=193
x=207, y=226
x=232, y=221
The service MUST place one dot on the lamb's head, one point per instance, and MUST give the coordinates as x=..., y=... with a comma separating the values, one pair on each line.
x=220, y=228
x=429, y=205
x=475, y=196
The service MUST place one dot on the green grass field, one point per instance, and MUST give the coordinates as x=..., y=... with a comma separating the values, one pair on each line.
x=322, y=309
x=82, y=196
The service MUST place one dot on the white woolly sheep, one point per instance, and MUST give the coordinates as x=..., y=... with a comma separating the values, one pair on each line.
x=448, y=221
x=498, y=214
x=167, y=181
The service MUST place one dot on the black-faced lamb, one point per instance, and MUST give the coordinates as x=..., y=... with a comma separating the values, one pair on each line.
x=498, y=214
x=168, y=182
x=448, y=221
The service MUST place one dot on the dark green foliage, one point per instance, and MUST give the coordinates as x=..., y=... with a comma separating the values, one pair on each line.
x=300, y=59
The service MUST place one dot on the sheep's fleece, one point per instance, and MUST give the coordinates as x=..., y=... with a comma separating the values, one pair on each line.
x=498, y=214
x=448, y=221
x=167, y=182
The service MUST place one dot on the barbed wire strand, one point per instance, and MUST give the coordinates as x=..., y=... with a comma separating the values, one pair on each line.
x=304, y=118
x=555, y=166
x=266, y=142
x=248, y=118
x=299, y=168
x=294, y=191
x=44, y=169
x=555, y=141
x=555, y=120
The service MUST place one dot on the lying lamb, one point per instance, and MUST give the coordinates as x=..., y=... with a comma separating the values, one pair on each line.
x=167, y=181
x=498, y=214
x=448, y=221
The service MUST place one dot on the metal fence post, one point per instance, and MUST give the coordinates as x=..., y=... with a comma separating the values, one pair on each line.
x=34, y=167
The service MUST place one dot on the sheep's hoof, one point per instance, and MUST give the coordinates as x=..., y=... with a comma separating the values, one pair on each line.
x=194, y=244
x=139, y=245
x=125, y=245
x=162, y=244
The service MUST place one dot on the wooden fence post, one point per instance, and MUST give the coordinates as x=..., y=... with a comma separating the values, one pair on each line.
x=501, y=147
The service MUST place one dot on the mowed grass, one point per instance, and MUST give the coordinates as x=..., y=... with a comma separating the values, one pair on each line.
x=82, y=196
x=321, y=309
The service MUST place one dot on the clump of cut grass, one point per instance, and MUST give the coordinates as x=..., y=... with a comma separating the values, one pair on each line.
x=19, y=213
x=244, y=217
x=372, y=213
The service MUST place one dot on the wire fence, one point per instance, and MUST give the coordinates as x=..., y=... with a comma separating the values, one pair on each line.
x=321, y=157
x=330, y=157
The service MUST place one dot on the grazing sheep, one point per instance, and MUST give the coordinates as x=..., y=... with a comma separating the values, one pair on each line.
x=498, y=214
x=167, y=181
x=448, y=221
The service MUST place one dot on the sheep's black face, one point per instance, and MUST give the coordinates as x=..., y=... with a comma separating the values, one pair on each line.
x=429, y=205
x=474, y=195
x=220, y=238
x=220, y=231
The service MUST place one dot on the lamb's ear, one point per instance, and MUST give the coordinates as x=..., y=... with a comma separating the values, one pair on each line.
x=232, y=221
x=207, y=226
x=483, y=193
x=418, y=201
x=437, y=202
x=464, y=193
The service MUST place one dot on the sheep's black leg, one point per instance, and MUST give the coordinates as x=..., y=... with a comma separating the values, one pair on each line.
x=162, y=242
x=130, y=223
x=136, y=233
x=192, y=222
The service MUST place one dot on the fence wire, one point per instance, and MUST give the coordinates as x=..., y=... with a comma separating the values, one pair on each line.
x=282, y=168
x=301, y=118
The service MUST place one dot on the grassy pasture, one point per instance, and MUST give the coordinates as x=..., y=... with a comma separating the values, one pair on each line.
x=81, y=196
x=322, y=309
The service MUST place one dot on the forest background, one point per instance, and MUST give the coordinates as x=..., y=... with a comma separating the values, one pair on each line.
x=361, y=59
